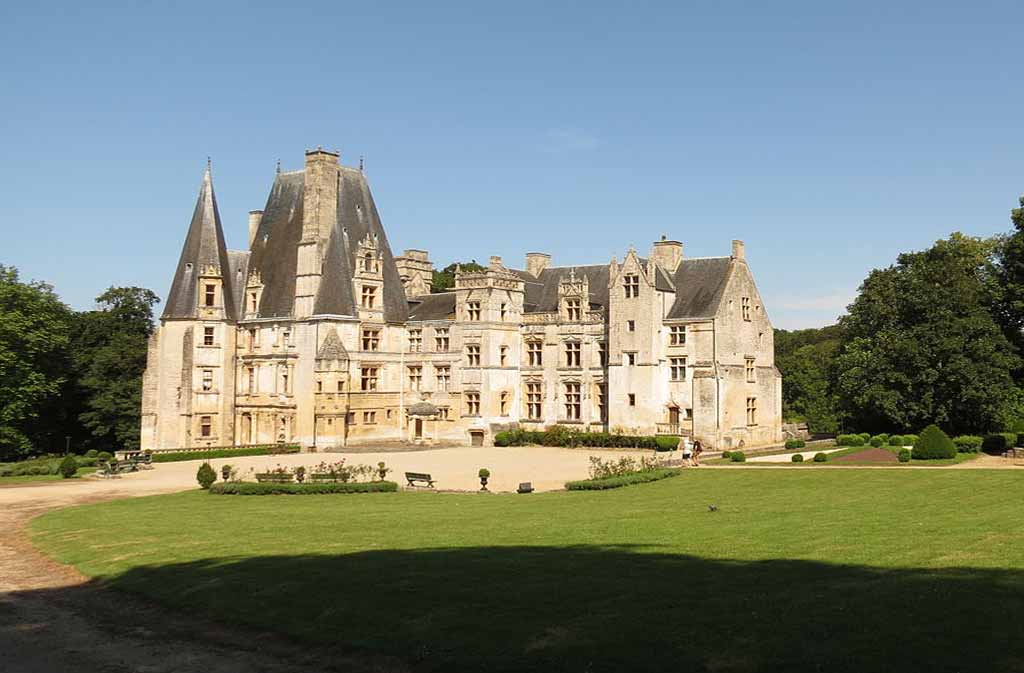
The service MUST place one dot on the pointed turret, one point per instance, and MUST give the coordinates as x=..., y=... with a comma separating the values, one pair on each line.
x=203, y=286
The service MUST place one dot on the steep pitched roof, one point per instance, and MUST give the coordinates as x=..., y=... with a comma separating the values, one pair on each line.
x=204, y=247
x=542, y=291
x=700, y=284
x=438, y=306
x=332, y=348
x=273, y=252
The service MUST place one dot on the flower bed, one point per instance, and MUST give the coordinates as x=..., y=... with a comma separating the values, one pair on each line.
x=249, y=488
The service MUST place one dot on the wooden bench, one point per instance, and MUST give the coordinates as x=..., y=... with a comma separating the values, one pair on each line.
x=525, y=487
x=413, y=477
x=274, y=477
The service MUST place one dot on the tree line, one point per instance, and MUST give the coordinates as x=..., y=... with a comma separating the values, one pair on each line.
x=934, y=338
x=70, y=379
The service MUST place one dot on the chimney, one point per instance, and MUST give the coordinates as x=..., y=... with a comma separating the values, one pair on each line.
x=495, y=262
x=738, y=250
x=537, y=262
x=320, y=194
x=416, y=271
x=255, y=217
x=667, y=254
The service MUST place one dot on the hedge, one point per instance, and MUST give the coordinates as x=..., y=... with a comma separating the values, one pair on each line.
x=934, y=444
x=903, y=456
x=560, y=436
x=795, y=443
x=968, y=443
x=667, y=442
x=850, y=440
x=208, y=454
x=821, y=457
x=998, y=442
x=621, y=480
x=319, y=488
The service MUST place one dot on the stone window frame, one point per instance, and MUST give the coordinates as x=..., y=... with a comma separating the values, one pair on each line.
x=677, y=368
x=415, y=377
x=206, y=426
x=502, y=356
x=631, y=285
x=442, y=339
x=631, y=325
x=369, y=378
x=574, y=309
x=368, y=297
x=573, y=349
x=504, y=401
x=209, y=295
x=750, y=370
x=677, y=335
x=745, y=308
x=415, y=340
x=572, y=399
x=370, y=339
x=473, y=311
x=534, y=398
x=631, y=399
x=535, y=352
x=474, y=355
x=209, y=335
x=473, y=401
x=602, y=353
x=369, y=417
x=751, y=411
x=206, y=384
x=630, y=358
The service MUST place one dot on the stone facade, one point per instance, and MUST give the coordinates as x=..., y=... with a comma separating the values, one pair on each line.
x=319, y=335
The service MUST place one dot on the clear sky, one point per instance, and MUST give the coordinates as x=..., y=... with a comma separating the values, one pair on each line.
x=828, y=135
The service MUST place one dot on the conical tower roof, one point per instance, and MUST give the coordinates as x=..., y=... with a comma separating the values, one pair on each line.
x=204, y=253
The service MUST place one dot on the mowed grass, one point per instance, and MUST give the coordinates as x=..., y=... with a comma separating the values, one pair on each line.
x=832, y=570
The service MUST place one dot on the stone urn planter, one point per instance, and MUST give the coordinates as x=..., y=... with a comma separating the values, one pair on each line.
x=484, y=474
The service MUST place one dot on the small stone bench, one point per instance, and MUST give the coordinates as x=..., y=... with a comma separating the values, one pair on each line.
x=274, y=478
x=413, y=477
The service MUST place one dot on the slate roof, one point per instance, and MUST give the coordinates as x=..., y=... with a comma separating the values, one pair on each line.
x=437, y=306
x=423, y=409
x=204, y=246
x=700, y=284
x=542, y=291
x=275, y=246
x=332, y=348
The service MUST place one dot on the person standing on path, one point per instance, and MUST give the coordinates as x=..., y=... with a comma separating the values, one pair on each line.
x=687, y=451
x=697, y=450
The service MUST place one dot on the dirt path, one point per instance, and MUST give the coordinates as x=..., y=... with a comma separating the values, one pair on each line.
x=52, y=619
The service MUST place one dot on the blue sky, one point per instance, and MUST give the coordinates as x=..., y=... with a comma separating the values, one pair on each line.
x=828, y=135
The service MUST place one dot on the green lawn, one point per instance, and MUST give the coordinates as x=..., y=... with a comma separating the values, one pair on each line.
x=24, y=479
x=830, y=570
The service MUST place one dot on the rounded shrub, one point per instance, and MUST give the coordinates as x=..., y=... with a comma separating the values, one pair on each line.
x=903, y=456
x=205, y=476
x=934, y=444
x=738, y=457
x=820, y=457
x=866, y=436
x=727, y=454
x=503, y=439
x=666, y=443
x=91, y=453
x=850, y=440
x=795, y=443
x=484, y=473
x=998, y=442
x=896, y=440
x=68, y=467
x=909, y=440
x=968, y=443
x=797, y=458
x=104, y=456
x=879, y=440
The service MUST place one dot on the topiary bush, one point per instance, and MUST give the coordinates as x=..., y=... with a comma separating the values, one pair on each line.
x=667, y=442
x=968, y=443
x=879, y=440
x=820, y=457
x=934, y=444
x=866, y=436
x=104, y=457
x=909, y=440
x=903, y=456
x=998, y=442
x=205, y=476
x=727, y=454
x=896, y=440
x=738, y=457
x=797, y=458
x=68, y=467
x=92, y=453
x=850, y=440
x=795, y=443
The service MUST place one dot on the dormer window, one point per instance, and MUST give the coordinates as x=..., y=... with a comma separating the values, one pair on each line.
x=473, y=310
x=252, y=302
x=369, y=263
x=369, y=296
x=574, y=310
x=631, y=285
x=209, y=294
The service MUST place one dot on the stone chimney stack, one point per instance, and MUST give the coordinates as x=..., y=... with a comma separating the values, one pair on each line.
x=495, y=262
x=416, y=271
x=319, y=216
x=537, y=262
x=738, y=251
x=667, y=254
x=255, y=217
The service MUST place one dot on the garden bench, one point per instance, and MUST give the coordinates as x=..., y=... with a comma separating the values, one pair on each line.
x=274, y=478
x=525, y=487
x=413, y=477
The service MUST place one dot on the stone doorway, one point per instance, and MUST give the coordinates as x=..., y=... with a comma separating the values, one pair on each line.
x=476, y=437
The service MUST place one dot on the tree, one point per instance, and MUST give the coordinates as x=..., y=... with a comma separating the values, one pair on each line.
x=1010, y=279
x=806, y=359
x=33, y=362
x=921, y=345
x=109, y=355
x=444, y=279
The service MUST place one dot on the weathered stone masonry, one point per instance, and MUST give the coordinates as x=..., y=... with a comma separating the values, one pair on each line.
x=319, y=335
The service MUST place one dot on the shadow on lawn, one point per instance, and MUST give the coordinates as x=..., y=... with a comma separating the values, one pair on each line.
x=612, y=609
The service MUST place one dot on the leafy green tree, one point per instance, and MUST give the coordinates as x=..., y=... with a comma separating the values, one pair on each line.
x=806, y=359
x=33, y=363
x=109, y=355
x=444, y=279
x=1010, y=279
x=921, y=344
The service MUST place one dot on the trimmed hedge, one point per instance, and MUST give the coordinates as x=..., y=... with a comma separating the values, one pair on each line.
x=968, y=443
x=667, y=442
x=797, y=458
x=622, y=480
x=795, y=443
x=896, y=440
x=821, y=457
x=878, y=441
x=738, y=457
x=315, y=488
x=998, y=442
x=934, y=444
x=208, y=454
x=850, y=440
x=561, y=436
